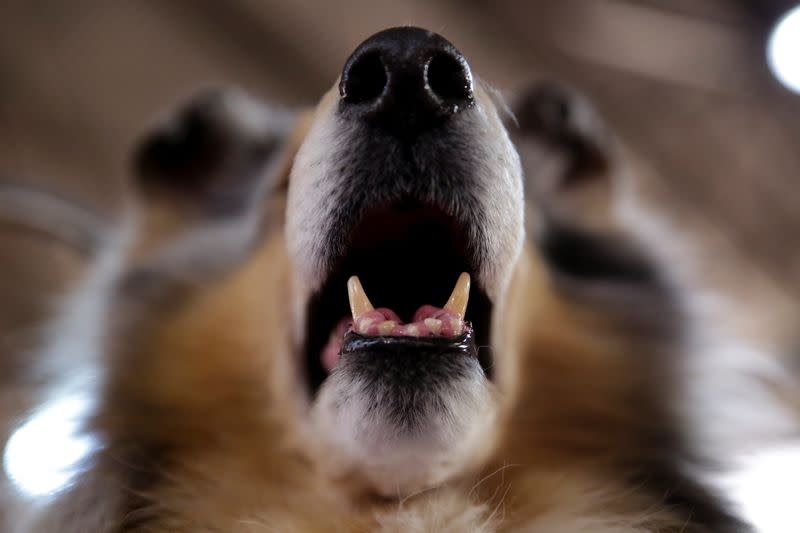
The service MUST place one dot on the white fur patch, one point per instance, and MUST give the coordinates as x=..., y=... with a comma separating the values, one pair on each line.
x=358, y=438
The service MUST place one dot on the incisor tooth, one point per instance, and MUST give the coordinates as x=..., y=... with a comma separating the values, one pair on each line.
x=386, y=327
x=457, y=303
x=434, y=324
x=359, y=303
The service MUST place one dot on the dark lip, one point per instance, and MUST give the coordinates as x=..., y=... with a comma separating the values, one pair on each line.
x=463, y=344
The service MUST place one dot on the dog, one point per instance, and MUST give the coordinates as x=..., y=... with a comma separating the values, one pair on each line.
x=413, y=308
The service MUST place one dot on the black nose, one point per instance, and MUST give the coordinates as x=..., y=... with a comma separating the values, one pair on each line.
x=405, y=80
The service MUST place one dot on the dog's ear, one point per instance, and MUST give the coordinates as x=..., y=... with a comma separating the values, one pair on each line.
x=212, y=153
x=567, y=152
x=204, y=178
x=572, y=166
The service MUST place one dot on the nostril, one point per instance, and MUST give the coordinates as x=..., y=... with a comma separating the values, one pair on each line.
x=448, y=77
x=364, y=78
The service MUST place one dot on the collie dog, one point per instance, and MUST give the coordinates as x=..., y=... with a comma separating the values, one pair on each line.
x=413, y=308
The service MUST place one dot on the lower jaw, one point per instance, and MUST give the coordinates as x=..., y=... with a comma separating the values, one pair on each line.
x=378, y=454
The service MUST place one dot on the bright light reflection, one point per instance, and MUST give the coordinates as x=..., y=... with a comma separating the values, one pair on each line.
x=783, y=50
x=43, y=456
x=765, y=490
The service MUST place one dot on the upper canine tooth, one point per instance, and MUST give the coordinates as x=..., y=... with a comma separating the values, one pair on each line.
x=359, y=303
x=457, y=303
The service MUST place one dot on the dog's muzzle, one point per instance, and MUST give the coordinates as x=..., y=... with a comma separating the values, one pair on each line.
x=404, y=223
x=408, y=189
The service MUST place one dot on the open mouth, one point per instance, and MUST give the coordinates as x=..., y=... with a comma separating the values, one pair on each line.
x=416, y=263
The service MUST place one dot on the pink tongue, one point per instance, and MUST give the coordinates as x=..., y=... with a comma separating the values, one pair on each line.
x=427, y=321
x=330, y=353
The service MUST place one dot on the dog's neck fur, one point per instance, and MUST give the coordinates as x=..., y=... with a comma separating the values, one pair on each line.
x=267, y=474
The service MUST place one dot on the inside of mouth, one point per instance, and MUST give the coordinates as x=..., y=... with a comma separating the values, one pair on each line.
x=406, y=255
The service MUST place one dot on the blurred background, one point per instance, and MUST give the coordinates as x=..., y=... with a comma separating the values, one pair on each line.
x=686, y=84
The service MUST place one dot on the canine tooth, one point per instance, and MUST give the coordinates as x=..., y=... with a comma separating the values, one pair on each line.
x=359, y=303
x=434, y=324
x=457, y=303
x=386, y=327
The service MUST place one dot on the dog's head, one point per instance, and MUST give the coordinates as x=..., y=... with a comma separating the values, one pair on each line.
x=407, y=195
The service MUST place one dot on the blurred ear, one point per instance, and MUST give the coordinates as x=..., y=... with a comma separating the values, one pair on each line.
x=211, y=154
x=572, y=172
x=206, y=180
x=567, y=154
